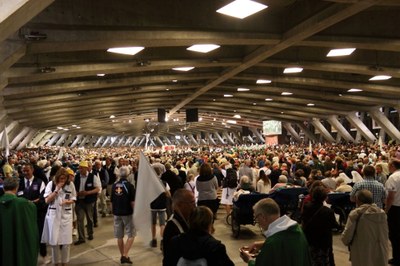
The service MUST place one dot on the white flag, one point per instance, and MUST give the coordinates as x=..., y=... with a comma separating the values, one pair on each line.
x=4, y=143
x=148, y=188
x=310, y=146
x=380, y=143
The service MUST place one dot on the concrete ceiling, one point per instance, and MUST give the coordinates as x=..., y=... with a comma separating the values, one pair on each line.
x=52, y=82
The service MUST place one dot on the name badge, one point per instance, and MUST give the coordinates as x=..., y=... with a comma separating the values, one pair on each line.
x=20, y=193
x=35, y=187
x=90, y=185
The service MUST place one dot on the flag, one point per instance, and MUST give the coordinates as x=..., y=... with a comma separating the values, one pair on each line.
x=4, y=143
x=148, y=188
x=310, y=146
x=380, y=143
x=60, y=154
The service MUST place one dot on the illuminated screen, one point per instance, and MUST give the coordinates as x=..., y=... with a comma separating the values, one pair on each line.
x=272, y=127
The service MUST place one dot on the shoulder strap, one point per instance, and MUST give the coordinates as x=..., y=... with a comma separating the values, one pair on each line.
x=177, y=225
x=355, y=227
x=192, y=188
x=312, y=217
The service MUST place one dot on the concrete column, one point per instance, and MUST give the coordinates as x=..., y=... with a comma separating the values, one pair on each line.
x=251, y=139
x=382, y=133
x=333, y=120
x=45, y=139
x=18, y=138
x=168, y=141
x=193, y=139
x=128, y=140
x=184, y=139
x=159, y=141
x=37, y=138
x=53, y=139
x=122, y=138
x=27, y=139
x=60, y=141
x=68, y=140
x=112, y=141
x=226, y=135
x=134, y=141
x=311, y=136
x=219, y=137
x=324, y=132
x=142, y=141
x=84, y=140
x=361, y=127
x=237, y=137
x=209, y=136
x=106, y=141
x=292, y=131
x=98, y=141
x=385, y=124
x=76, y=141
x=257, y=134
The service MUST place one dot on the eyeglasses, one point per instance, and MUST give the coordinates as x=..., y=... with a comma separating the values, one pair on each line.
x=256, y=217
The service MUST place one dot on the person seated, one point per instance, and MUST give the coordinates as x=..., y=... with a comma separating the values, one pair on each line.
x=282, y=183
x=341, y=186
x=245, y=187
x=198, y=244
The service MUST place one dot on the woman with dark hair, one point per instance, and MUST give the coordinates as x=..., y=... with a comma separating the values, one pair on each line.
x=263, y=183
x=60, y=194
x=207, y=185
x=198, y=244
x=318, y=222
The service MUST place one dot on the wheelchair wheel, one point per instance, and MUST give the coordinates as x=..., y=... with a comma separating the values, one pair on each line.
x=342, y=215
x=235, y=225
x=228, y=219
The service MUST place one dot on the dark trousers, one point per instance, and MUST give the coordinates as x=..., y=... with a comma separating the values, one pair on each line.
x=84, y=210
x=40, y=222
x=394, y=231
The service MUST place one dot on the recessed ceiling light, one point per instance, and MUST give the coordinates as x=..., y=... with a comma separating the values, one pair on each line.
x=78, y=127
x=243, y=89
x=354, y=90
x=126, y=50
x=254, y=103
x=237, y=116
x=183, y=68
x=54, y=132
x=213, y=100
x=129, y=121
x=203, y=48
x=231, y=121
x=268, y=99
x=60, y=128
x=241, y=8
x=74, y=125
x=290, y=70
x=310, y=104
x=100, y=75
x=381, y=77
x=228, y=95
x=167, y=89
x=112, y=116
x=147, y=120
x=286, y=93
x=214, y=119
x=200, y=119
x=281, y=112
x=174, y=80
x=263, y=81
x=340, y=52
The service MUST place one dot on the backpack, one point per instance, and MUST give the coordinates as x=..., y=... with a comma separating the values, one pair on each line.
x=196, y=262
x=231, y=180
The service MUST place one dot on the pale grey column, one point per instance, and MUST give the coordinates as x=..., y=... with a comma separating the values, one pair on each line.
x=292, y=131
x=226, y=135
x=385, y=124
x=193, y=139
x=37, y=138
x=120, y=141
x=324, y=132
x=184, y=139
x=112, y=141
x=361, y=127
x=257, y=134
x=76, y=141
x=338, y=137
x=250, y=138
x=98, y=141
x=128, y=140
x=45, y=139
x=18, y=138
x=53, y=139
x=333, y=120
x=168, y=141
x=219, y=137
x=105, y=142
x=134, y=141
x=209, y=136
x=63, y=137
x=382, y=132
x=27, y=139
x=152, y=142
x=159, y=141
x=237, y=137
x=68, y=140
x=83, y=142
x=142, y=141
x=310, y=135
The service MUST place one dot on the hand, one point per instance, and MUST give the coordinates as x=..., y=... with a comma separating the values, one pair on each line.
x=82, y=193
x=245, y=255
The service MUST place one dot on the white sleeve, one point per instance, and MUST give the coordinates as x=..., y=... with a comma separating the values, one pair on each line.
x=96, y=181
x=47, y=191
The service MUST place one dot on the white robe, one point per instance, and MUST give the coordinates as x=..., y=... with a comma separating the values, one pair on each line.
x=58, y=223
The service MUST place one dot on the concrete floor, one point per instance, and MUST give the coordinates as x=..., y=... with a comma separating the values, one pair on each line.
x=103, y=249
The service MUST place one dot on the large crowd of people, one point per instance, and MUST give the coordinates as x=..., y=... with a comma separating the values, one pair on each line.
x=66, y=187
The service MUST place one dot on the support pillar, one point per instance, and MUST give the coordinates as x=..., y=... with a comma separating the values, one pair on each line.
x=27, y=139
x=18, y=138
x=60, y=141
x=334, y=121
x=292, y=131
x=83, y=142
x=311, y=136
x=209, y=136
x=361, y=127
x=324, y=132
x=219, y=137
x=53, y=139
x=134, y=141
x=193, y=139
x=257, y=134
x=385, y=124
x=98, y=141
x=106, y=141
x=37, y=139
x=76, y=141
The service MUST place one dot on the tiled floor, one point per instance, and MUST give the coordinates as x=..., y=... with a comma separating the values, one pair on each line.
x=103, y=249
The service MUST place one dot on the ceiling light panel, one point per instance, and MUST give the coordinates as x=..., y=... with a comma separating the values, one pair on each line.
x=263, y=81
x=183, y=68
x=126, y=50
x=285, y=93
x=268, y=100
x=243, y=89
x=203, y=48
x=228, y=95
x=340, y=52
x=241, y=8
x=380, y=77
x=354, y=90
x=290, y=70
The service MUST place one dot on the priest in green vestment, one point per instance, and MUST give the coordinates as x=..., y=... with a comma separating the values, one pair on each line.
x=19, y=243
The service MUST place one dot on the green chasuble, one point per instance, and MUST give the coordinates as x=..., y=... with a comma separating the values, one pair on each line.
x=285, y=248
x=19, y=243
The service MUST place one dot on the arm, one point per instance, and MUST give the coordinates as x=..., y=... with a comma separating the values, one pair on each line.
x=349, y=229
x=389, y=200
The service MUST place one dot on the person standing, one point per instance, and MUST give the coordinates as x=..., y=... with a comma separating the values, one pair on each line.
x=87, y=188
x=392, y=209
x=60, y=194
x=19, y=242
x=104, y=179
x=285, y=243
x=366, y=232
x=32, y=188
x=122, y=205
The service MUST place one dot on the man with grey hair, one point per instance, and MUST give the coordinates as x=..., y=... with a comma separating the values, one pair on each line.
x=18, y=228
x=280, y=231
x=246, y=170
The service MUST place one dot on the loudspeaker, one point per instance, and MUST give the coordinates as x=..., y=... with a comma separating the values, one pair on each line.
x=192, y=115
x=245, y=131
x=161, y=115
